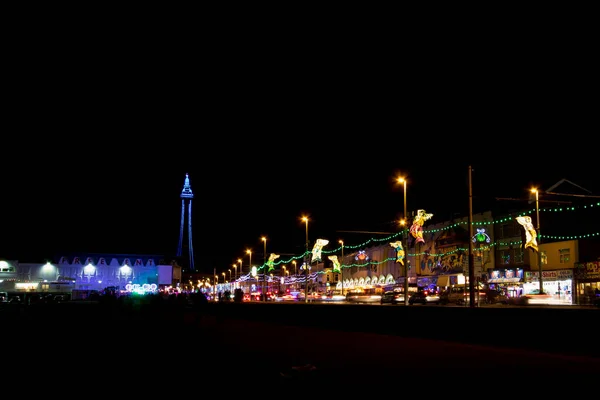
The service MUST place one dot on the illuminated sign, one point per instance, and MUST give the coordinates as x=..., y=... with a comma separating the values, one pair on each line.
x=137, y=288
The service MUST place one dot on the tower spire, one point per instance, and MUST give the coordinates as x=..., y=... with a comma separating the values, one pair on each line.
x=186, y=192
x=186, y=195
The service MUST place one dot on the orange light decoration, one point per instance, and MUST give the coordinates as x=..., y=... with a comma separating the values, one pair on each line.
x=416, y=228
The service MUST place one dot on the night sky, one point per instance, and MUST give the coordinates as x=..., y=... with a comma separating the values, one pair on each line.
x=127, y=202
x=94, y=158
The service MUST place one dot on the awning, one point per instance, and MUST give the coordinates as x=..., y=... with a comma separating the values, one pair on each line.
x=505, y=280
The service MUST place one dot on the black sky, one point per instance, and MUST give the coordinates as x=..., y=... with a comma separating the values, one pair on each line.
x=128, y=202
x=98, y=139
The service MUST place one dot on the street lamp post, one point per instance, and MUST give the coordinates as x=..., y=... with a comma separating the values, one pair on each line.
x=250, y=270
x=342, y=266
x=405, y=237
x=295, y=273
x=539, y=238
x=305, y=219
x=234, y=272
x=264, y=294
x=241, y=269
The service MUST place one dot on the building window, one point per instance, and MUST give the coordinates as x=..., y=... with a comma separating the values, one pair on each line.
x=507, y=231
x=505, y=257
x=565, y=255
x=502, y=231
x=518, y=256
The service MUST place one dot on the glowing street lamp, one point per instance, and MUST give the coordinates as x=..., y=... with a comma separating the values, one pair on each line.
x=539, y=237
x=305, y=219
x=250, y=269
x=342, y=266
x=405, y=237
x=295, y=273
x=215, y=288
x=264, y=294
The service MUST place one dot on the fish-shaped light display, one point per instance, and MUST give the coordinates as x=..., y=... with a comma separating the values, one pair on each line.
x=530, y=233
x=316, y=251
x=399, y=251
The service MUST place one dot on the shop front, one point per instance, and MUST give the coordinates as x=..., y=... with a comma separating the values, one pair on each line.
x=558, y=284
x=587, y=278
x=508, y=281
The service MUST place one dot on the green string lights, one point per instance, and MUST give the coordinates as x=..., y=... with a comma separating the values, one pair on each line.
x=451, y=226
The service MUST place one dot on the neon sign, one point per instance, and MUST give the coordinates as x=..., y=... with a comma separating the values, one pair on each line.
x=137, y=288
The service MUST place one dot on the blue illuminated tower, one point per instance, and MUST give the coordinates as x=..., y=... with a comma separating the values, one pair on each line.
x=186, y=195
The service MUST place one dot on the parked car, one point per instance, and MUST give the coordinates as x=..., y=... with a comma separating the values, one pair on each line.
x=424, y=297
x=392, y=297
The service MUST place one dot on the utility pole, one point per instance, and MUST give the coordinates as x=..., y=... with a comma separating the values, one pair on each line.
x=471, y=260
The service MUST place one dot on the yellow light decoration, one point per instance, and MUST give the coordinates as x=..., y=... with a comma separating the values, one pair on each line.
x=318, y=247
x=530, y=233
x=416, y=228
x=399, y=251
x=336, y=263
x=272, y=257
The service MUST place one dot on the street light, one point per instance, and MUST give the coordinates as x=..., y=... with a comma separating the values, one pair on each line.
x=250, y=270
x=305, y=219
x=234, y=271
x=295, y=273
x=405, y=237
x=241, y=270
x=342, y=266
x=264, y=294
x=539, y=237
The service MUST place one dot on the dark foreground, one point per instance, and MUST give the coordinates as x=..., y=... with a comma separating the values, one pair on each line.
x=252, y=348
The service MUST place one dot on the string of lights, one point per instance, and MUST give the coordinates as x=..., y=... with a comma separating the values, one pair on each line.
x=301, y=278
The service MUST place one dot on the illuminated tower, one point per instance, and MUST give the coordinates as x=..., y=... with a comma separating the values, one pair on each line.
x=186, y=194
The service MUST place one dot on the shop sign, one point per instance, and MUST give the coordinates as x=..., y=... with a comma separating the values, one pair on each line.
x=588, y=270
x=558, y=275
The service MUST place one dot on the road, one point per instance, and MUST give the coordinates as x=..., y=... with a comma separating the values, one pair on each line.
x=252, y=349
x=269, y=349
